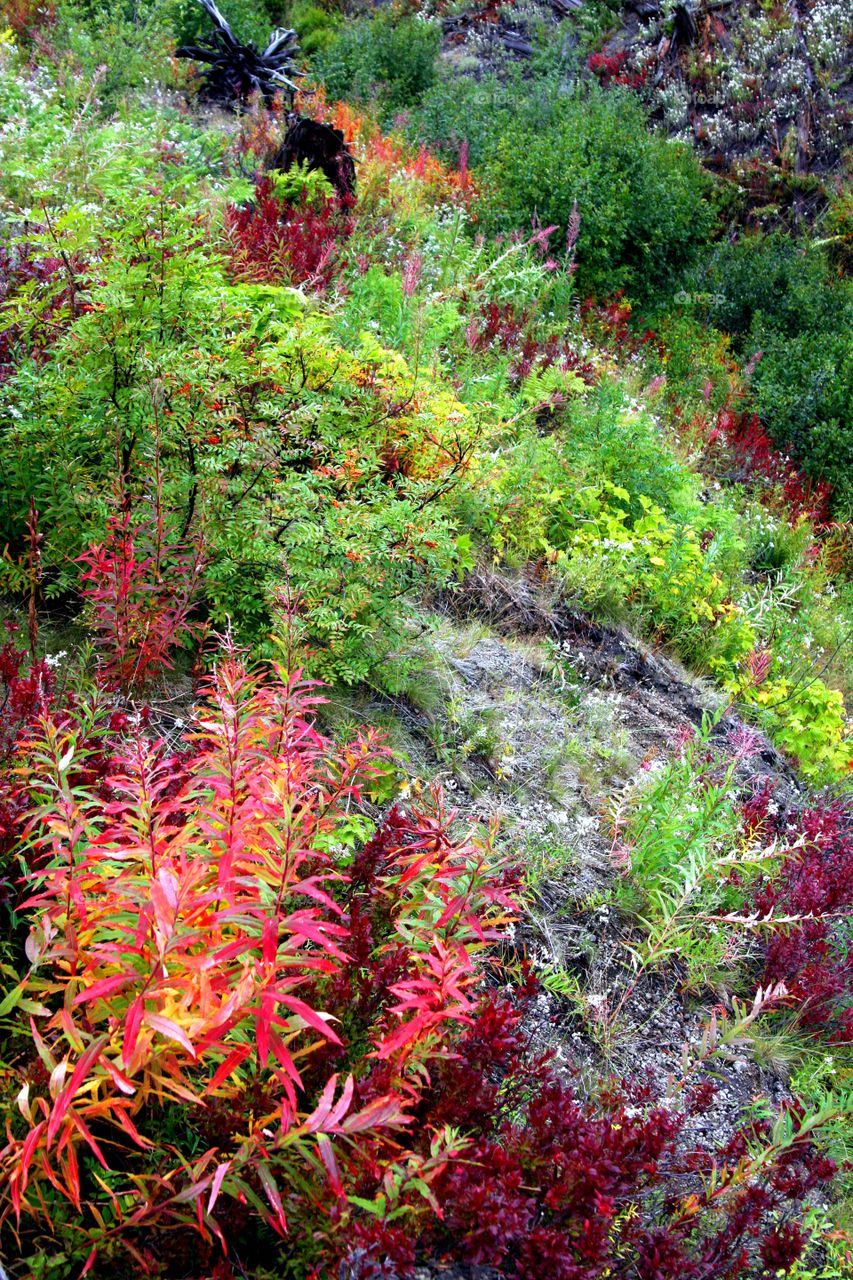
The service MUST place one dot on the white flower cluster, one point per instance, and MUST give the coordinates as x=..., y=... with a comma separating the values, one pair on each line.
x=673, y=99
x=829, y=32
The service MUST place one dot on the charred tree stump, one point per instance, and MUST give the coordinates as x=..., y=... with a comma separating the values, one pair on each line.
x=319, y=146
x=235, y=71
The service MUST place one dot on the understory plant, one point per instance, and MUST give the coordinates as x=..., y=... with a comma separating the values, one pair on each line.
x=668, y=570
x=25, y=693
x=737, y=886
x=187, y=932
x=687, y=858
x=237, y=1038
x=296, y=240
x=812, y=954
x=809, y=721
x=141, y=590
x=279, y=454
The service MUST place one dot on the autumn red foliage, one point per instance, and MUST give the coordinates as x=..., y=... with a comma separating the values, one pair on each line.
x=813, y=888
x=274, y=241
x=141, y=590
x=48, y=276
x=243, y=1028
x=739, y=437
x=503, y=326
x=612, y=68
x=25, y=692
x=27, y=18
x=219, y=860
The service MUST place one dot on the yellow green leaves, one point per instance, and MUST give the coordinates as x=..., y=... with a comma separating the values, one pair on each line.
x=808, y=721
x=646, y=561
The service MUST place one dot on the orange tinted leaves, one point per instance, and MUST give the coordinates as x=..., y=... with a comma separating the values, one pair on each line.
x=199, y=949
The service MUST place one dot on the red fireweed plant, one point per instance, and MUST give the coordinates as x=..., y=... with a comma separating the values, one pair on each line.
x=739, y=439
x=40, y=297
x=184, y=930
x=25, y=694
x=814, y=888
x=141, y=590
x=274, y=241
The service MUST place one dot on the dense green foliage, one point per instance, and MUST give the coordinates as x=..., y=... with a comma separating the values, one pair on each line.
x=540, y=147
x=341, y=455
x=786, y=301
x=251, y=420
x=248, y=417
x=385, y=59
x=644, y=219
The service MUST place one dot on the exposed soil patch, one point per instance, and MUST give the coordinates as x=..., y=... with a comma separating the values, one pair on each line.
x=545, y=754
x=499, y=654
x=661, y=698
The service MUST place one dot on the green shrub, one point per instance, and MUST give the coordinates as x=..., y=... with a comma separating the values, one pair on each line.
x=804, y=395
x=457, y=109
x=641, y=198
x=808, y=720
x=117, y=45
x=231, y=410
x=769, y=280
x=537, y=149
x=780, y=298
x=387, y=58
x=536, y=483
x=317, y=26
x=249, y=19
x=679, y=838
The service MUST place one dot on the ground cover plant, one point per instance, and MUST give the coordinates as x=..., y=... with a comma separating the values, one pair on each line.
x=201, y=962
x=745, y=891
x=280, y=995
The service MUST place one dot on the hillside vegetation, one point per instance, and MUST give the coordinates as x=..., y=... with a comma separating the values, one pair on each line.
x=426, y=822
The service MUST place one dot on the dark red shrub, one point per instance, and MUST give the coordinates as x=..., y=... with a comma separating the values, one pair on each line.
x=24, y=694
x=551, y=1183
x=379, y=1252
x=274, y=241
x=512, y=331
x=813, y=887
x=740, y=446
x=610, y=318
x=783, y=1247
x=141, y=590
x=51, y=307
